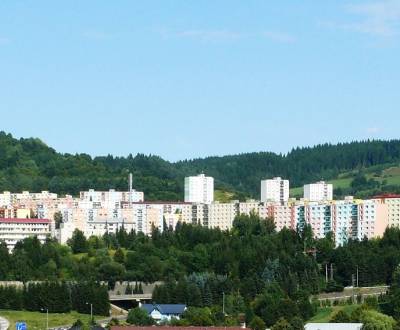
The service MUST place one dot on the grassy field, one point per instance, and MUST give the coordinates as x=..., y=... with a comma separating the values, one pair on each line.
x=338, y=183
x=36, y=320
x=390, y=174
x=223, y=196
x=324, y=314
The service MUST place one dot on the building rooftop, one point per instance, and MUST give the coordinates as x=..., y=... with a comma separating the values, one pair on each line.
x=16, y=220
x=333, y=326
x=165, y=308
x=387, y=196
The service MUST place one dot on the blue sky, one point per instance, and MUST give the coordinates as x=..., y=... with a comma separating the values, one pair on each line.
x=184, y=79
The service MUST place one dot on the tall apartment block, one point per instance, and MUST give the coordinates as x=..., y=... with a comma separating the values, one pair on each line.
x=100, y=212
x=275, y=190
x=393, y=203
x=319, y=191
x=199, y=189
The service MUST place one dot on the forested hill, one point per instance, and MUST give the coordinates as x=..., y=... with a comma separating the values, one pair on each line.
x=29, y=164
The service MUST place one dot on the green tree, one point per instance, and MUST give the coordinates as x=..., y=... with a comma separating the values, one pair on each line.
x=340, y=317
x=282, y=324
x=78, y=242
x=119, y=256
x=198, y=316
x=4, y=261
x=373, y=320
x=257, y=323
x=58, y=219
x=139, y=316
x=297, y=323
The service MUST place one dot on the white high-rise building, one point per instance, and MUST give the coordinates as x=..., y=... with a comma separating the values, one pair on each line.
x=199, y=189
x=319, y=191
x=275, y=190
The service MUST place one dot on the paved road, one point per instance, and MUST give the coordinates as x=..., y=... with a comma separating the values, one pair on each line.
x=4, y=324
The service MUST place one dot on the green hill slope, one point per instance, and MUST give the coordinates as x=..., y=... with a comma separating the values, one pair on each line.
x=29, y=164
x=380, y=179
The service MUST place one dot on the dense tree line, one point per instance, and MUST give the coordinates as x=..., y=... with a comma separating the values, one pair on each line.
x=29, y=164
x=251, y=270
x=56, y=297
x=246, y=257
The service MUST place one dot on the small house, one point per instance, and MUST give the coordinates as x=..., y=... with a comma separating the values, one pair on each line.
x=161, y=312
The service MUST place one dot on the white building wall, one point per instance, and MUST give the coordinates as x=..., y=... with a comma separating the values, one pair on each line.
x=199, y=189
x=319, y=191
x=275, y=190
x=221, y=215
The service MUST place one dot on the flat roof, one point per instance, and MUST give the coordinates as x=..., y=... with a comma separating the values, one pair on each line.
x=387, y=196
x=333, y=326
x=17, y=220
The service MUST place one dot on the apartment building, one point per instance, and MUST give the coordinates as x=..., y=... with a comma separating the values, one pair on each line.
x=100, y=212
x=5, y=199
x=13, y=230
x=393, y=203
x=346, y=214
x=25, y=199
x=373, y=219
x=275, y=190
x=319, y=191
x=221, y=215
x=283, y=215
x=15, y=212
x=111, y=198
x=250, y=206
x=199, y=189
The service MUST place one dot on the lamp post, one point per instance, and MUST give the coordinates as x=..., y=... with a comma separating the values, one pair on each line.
x=223, y=303
x=91, y=311
x=47, y=317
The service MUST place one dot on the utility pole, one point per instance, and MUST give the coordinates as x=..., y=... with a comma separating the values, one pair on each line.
x=47, y=317
x=357, y=276
x=91, y=312
x=326, y=273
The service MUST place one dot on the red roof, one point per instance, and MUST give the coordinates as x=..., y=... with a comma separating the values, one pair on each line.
x=14, y=220
x=386, y=196
x=132, y=327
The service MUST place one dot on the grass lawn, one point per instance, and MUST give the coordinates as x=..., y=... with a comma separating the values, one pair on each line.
x=324, y=314
x=36, y=320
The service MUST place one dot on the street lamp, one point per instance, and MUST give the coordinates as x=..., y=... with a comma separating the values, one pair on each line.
x=223, y=303
x=91, y=311
x=47, y=317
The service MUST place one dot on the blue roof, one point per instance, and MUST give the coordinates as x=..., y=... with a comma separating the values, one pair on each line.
x=165, y=309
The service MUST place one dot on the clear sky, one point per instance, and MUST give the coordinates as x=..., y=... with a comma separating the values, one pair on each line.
x=184, y=79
